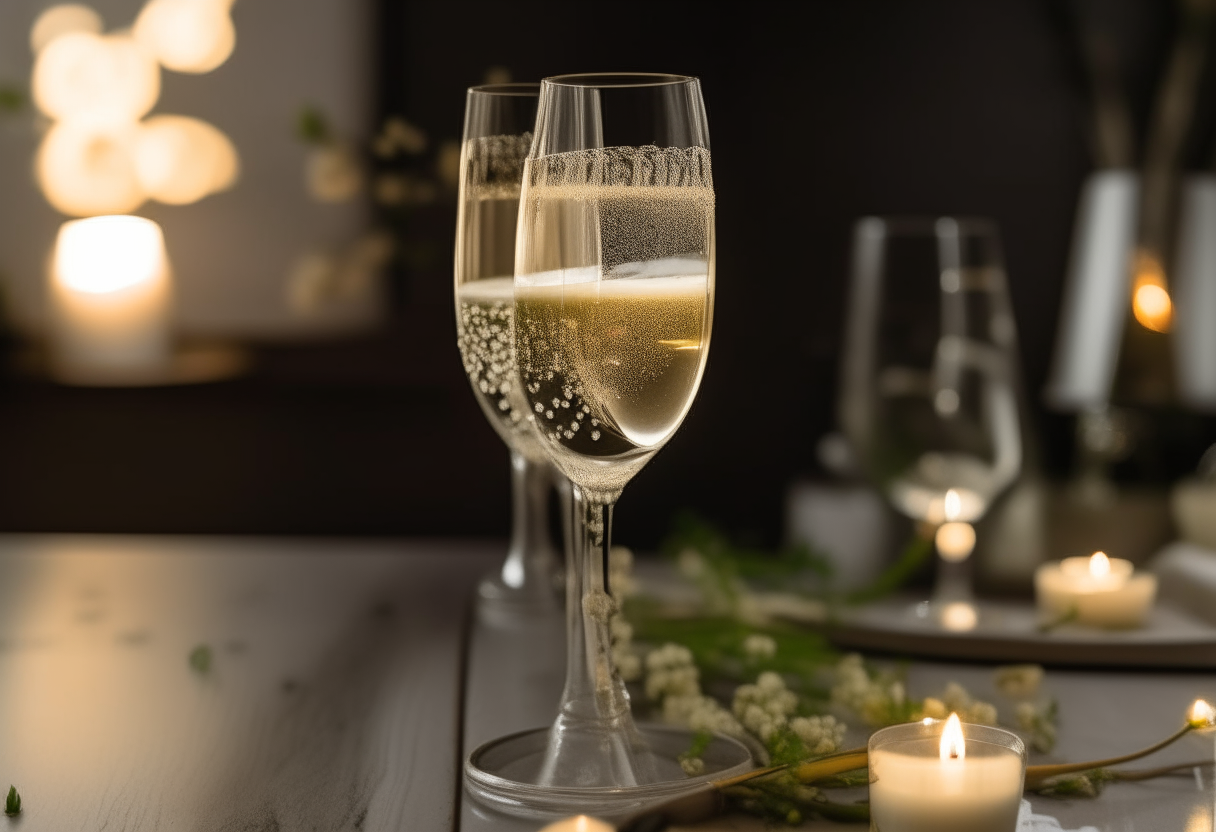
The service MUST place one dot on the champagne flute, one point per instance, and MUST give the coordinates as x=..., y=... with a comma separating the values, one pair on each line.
x=497, y=135
x=930, y=395
x=614, y=287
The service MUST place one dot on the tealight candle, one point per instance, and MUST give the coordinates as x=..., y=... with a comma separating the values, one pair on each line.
x=579, y=823
x=932, y=776
x=1102, y=591
x=110, y=293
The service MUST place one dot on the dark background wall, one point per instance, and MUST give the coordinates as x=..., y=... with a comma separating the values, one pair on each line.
x=819, y=113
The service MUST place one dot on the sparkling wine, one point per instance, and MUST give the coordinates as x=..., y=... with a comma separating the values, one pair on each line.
x=483, y=333
x=485, y=252
x=613, y=301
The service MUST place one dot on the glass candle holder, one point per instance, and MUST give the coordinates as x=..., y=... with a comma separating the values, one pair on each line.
x=920, y=781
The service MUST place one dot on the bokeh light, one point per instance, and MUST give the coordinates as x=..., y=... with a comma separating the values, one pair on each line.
x=62, y=20
x=180, y=160
x=187, y=35
x=85, y=170
x=94, y=79
x=106, y=254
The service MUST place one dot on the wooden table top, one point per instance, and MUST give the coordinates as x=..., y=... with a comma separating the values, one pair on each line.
x=332, y=700
x=335, y=697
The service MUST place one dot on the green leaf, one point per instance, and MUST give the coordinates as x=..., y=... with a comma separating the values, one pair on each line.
x=12, y=99
x=312, y=127
x=12, y=803
x=897, y=574
x=200, y=659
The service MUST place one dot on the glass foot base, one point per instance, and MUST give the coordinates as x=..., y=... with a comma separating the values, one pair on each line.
x=502, y=774
x=500, y=605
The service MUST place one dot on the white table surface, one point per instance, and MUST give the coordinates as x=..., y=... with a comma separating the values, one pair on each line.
x=332, y=702
x=514, y=682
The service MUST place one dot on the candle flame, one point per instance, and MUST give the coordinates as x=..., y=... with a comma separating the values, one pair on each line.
x=953, y=505
x=580, y=823
x=953, y=746
x=1202, y=715
x=1099, y=565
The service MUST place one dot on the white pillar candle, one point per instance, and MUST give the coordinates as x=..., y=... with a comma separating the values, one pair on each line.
x=935, y=776
x=110, y=293
x=1102, y=591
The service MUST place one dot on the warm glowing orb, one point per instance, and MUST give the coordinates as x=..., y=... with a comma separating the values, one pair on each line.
x=959, y=617
x=1201, y=715
x=953, y=746
x=180, y=160
x=952, y=505
x=187, y=35
x=85, y=170
x=91, y=79
x=107, y=254
x=1099, y=565
x=1152, y=307
x=62, y=20
x=954, y=541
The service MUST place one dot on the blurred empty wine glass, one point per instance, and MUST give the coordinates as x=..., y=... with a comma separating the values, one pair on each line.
x=497, y=133
x=614, y=287
x=929, y=397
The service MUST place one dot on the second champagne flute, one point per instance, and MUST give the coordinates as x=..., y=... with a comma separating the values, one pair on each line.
x=497, y=134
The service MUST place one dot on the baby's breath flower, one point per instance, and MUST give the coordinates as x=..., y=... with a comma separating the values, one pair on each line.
x=700, y=713
x=821, y=734
x=693, y=766
x=765, y=707
x=671, y=672
x=620, y=572
x=759, y=646
x=1019, y=681
x=691, y=564
x=934, y=708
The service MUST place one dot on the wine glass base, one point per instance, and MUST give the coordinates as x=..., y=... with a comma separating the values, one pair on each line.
x=499, y=605
x=502, y=773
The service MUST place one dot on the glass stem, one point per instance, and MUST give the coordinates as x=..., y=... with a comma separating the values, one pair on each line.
x=593, y=742
x=953, y=581
x=531, y=563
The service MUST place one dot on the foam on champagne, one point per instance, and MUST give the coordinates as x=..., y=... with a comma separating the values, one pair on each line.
x=613, y=298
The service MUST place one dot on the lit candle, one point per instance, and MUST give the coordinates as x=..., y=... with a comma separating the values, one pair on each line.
x=579, y=823
x=931, y=776
x=110, y=294
x=1102, y=591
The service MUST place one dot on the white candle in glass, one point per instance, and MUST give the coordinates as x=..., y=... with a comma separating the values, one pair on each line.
x=1097, y=590
x=579, y=823
x=110, y=294
x=926, y=777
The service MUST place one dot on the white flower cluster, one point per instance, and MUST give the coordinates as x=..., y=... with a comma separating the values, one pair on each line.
x=700, y=713
x=670, y=672
x=765, y=707
x=758, y=647
x=821, y=734
x=1039, y=721
x=872, y=698
x=620, y=573
x=1019, y=681
x=623, y=655
x=955, y=699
